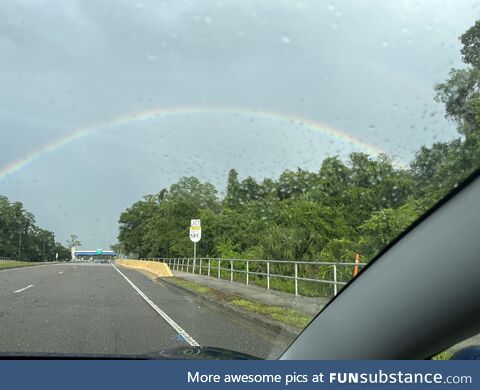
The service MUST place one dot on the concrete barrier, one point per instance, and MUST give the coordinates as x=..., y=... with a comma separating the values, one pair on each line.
x=160, y=270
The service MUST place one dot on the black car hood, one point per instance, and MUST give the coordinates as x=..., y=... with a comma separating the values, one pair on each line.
x=181, y=353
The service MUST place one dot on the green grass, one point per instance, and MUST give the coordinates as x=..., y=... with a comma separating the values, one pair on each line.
x=445, y=355
x=278, y=313
x=192, y=286
x=15, y=264
x=281, y=314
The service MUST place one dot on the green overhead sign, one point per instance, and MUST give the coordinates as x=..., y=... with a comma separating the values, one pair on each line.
x=99, y=252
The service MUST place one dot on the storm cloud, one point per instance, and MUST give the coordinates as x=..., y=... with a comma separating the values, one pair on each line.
x=365, y=68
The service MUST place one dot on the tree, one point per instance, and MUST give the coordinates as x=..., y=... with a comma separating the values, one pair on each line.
x=20, y=236
x=460, y=95
x=471, y=45
x=387, y=224
x=117, y=248
x=461, y=92
x=295, y=183
x=250, y=190
x=191, y=190
x=73, y=241
x=446, y=164
x=64, y=253
x=232, y=196
x=334, y=182
x=135, y=224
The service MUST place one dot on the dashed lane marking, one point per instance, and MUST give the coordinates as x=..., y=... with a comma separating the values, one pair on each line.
x=23, y=289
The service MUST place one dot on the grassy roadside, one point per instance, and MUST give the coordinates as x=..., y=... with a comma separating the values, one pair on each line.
x=445, y=355
x=17, y=264
x=198, y=288
x=286, y=316
x=281, y=314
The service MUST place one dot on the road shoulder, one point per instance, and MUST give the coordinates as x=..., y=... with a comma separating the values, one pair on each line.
x=278, y=319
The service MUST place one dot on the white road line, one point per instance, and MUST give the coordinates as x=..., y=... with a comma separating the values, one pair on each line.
x=23, y=289
x=61, y=272
x=164, y=315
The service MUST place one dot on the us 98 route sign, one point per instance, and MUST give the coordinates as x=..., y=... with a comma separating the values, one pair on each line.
x=195, y=230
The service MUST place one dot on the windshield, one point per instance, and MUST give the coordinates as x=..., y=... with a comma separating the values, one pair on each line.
x=184, y=173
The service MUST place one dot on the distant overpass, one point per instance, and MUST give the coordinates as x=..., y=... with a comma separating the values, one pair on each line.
x=82, y=253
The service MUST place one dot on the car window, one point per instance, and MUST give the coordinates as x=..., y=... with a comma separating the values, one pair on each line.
x=212, y=174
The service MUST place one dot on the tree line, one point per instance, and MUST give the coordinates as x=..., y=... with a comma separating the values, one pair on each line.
x=22, y=239
x=343, y=208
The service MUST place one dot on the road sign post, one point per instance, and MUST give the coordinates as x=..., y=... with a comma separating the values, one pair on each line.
x=195, y=236
x=194, y=255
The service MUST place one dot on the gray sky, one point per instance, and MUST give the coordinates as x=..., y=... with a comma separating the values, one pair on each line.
x=366, y=68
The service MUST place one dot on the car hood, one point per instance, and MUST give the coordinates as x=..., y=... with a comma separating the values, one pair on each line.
x=180, y=353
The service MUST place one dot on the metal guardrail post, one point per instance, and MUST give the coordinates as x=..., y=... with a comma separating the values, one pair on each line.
x=218, y=270
x=208, y=267
x=200, y=268
x=268, y=275
x=247, y=273
x=231, y=270
x=183, y=262
x=335, y=288
x=296, y=278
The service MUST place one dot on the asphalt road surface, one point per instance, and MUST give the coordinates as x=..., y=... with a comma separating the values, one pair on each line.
x=99, y=309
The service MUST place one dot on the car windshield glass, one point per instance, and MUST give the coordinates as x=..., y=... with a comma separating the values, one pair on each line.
x=211, y=174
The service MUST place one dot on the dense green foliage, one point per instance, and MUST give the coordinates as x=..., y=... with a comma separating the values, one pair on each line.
x=19, y=233
x=344, y=208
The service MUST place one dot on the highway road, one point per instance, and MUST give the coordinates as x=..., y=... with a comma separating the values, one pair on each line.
x=98, y=309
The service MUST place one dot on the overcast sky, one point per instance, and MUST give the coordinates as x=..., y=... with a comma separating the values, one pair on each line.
x=365, y=68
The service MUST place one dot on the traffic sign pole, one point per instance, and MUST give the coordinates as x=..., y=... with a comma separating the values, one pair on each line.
x=194, y=255
x=195, y=236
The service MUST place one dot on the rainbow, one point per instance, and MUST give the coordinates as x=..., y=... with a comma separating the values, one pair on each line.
x=80, y=133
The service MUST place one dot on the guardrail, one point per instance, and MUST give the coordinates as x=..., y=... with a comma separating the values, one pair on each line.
x=267, y=270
